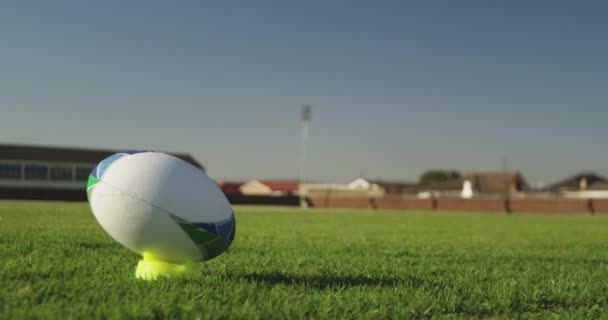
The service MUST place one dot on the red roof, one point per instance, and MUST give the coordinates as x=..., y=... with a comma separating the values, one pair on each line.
x=286, y=186
x=230, y=187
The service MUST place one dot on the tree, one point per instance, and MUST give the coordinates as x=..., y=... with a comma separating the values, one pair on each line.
x=434, y=176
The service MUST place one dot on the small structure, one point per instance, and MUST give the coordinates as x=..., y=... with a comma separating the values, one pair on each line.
x=362, y=184
x=467, y=190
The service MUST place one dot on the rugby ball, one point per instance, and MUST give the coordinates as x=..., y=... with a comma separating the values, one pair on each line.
x=156, y=204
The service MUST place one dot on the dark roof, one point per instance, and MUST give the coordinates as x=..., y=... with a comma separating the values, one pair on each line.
x=397, y=187
x=599, y=185
x=448, y=185
x=52, y=153
x=496, y=182
x=574, y=182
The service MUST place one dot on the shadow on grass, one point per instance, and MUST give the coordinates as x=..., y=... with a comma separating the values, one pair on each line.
x=330, y=281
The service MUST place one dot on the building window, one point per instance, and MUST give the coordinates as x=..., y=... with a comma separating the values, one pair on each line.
x=82, y=173
x=10, y=171
x=36, y=172
x=61, y=173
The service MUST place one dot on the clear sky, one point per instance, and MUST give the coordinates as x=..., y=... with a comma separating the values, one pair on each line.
x=396, y=86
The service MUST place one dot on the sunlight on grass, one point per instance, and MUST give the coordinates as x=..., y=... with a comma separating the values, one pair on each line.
x=56, y=262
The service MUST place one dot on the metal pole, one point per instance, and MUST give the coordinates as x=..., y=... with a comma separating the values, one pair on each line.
x=505, y=175
x=508, y=182
x=306, y=113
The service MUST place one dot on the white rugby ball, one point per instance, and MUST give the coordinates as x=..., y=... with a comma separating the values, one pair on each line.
x=154, y=203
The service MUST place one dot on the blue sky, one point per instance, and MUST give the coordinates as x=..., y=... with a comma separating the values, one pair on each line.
x=396, y=87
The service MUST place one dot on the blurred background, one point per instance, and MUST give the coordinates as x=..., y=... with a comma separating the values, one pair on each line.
x=467, y=105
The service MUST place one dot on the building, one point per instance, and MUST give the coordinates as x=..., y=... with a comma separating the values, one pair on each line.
x=51, y=173
x=269, y=188
x=586, y=185
x=362, y=184
x=477, y=184
x=495, y=182
x=398, y=188
x=436, y=189
x=359, y=188
x=229, y=187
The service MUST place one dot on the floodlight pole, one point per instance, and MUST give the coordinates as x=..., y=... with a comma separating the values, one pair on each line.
x=507, y=194
x=306, y=113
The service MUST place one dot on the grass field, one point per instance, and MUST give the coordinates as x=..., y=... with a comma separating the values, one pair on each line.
x=56, y=262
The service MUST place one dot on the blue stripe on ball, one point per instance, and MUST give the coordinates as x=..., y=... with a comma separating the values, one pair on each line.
x=211, y=227
x=105, y=163
x=136, y=151
x=224, y=229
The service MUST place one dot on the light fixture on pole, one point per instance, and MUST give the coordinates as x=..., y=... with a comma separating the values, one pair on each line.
x=305, y=120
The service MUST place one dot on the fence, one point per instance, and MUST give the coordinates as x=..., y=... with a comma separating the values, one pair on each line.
x=541, y=205
x=42, y=194
x=498, y=205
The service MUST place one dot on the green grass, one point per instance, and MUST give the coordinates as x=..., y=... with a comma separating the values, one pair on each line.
x=56, y=262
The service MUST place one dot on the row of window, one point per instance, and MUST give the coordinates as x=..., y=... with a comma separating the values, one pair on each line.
x=44, y=172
